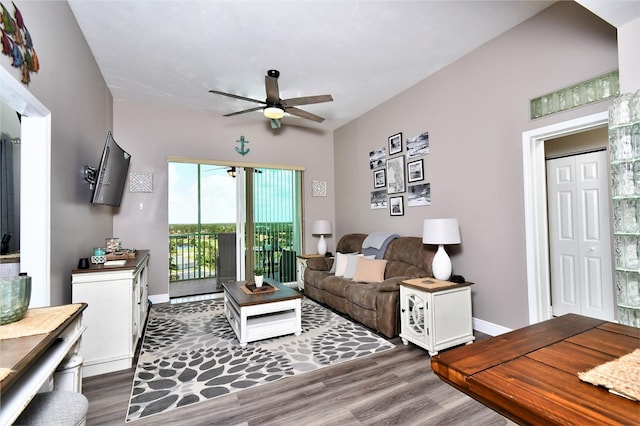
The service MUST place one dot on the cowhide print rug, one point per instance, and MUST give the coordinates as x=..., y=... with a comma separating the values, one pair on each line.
x=190, y=354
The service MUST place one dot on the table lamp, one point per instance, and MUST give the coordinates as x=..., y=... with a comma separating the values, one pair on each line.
x=441, y=232
x=322, y=228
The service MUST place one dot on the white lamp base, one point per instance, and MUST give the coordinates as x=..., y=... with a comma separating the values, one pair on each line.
x=441, y=265
x=322, y=245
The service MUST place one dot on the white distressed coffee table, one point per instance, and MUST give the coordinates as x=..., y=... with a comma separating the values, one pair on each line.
x=262, y=316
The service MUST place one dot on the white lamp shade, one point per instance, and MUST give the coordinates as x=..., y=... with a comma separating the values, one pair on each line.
x=441, y=231
x=321, y=227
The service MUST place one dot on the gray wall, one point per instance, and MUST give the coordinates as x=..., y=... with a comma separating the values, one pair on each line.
x=151, y=133
x=475, y=111
x=70, y=85
x=629, y=56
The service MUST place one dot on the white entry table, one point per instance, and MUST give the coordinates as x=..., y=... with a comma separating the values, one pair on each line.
x=262, y=315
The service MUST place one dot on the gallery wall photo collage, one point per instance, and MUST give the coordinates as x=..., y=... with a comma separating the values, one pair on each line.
x=399, y=169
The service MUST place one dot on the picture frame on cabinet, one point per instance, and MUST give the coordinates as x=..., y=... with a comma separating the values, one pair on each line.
x=380, y=178
x=396, y=206
x=395, y=143
x=415, y=170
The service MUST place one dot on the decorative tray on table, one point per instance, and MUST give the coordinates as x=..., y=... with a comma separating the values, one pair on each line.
x=250, y=288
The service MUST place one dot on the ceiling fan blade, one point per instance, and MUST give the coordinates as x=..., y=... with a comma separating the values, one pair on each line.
x=231, y=114
x=304, y=114
x=306, y=100
x=231, y=95
x=271, y=85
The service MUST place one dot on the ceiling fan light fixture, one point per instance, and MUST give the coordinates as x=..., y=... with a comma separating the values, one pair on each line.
x=275, y=124
x=273, y=112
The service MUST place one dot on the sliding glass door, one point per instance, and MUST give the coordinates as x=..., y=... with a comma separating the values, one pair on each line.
x=276, y=221
x=226, y=220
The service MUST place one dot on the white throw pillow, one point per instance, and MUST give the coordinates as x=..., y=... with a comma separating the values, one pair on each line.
x=341, y=264
x=352, y=264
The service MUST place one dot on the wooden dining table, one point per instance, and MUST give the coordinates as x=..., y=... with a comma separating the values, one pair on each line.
x=530, y=375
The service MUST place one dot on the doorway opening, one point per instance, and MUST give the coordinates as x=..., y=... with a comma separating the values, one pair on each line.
x=35, y=229
x=580, y=225
x=535, y=201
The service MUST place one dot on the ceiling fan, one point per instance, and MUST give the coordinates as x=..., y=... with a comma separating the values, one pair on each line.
x=273, y=106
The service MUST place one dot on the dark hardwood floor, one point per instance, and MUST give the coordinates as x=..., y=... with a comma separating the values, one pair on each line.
x=396, y=387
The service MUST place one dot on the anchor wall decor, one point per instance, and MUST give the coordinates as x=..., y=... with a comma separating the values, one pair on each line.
x=240, y=150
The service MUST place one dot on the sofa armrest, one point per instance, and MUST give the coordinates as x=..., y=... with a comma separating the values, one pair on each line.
x=320, y=263
x=391, y=284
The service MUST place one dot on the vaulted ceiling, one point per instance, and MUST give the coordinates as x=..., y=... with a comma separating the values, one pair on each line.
x=361, y=52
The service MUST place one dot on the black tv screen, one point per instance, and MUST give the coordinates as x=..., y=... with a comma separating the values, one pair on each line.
x=112, y=174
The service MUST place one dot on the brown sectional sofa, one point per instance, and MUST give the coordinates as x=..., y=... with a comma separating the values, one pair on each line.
x=374, y=305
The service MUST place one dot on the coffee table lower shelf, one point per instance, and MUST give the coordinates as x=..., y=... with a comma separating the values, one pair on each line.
x=263, y=321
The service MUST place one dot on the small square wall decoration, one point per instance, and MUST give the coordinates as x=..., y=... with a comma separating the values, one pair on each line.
x=140, y=182
x=319, y=188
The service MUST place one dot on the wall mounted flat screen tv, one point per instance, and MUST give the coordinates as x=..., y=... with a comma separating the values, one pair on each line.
x=111, y=174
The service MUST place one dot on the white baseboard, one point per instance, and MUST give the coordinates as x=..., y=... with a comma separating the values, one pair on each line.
x=164, y=298
x=159, y=298
x=489, y=328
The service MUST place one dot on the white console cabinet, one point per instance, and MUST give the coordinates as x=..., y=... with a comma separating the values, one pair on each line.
x=116, y=313
x=435, y=314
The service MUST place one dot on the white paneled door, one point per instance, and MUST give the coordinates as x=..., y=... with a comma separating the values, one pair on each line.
x=580, y=236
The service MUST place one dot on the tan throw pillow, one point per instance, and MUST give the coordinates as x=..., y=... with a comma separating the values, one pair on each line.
x=352, y=264
x=370, y=270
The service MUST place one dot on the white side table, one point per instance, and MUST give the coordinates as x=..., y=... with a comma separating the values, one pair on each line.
x=435, y=314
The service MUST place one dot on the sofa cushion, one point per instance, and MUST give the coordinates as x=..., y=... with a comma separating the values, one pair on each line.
x=363, y=295
x=342, y=263
x=336, y=286
x=408, y=256
x=350, y=243
x=370, y=270
x=320, y=263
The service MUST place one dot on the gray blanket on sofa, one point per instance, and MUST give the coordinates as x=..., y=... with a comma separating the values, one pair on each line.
x=376, y=243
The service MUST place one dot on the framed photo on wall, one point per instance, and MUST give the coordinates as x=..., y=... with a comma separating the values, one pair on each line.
x=395, y=143
x=395, y=175
x=396, y=206
x=415, y=170
x=379, y=199
x=419, y=195
x=377, y=158
x=418, y=145
x=379, y=178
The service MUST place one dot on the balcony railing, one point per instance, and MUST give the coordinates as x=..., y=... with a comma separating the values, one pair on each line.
x=199, y=255
x=192, y=256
